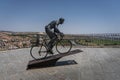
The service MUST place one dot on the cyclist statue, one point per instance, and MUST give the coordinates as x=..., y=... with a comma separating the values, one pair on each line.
x=51, y=30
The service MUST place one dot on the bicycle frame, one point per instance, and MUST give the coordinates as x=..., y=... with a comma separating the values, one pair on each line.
x=45, y=40
x=43, y=47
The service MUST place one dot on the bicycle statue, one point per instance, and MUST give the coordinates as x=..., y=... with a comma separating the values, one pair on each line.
x=46, y=52
x=39, y=50
x=56, y=39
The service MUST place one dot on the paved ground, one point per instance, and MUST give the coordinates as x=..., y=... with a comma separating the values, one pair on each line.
x=92, y=64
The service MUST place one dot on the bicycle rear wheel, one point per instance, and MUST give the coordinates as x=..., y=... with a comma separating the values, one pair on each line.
x=38, y=52
x=63, y=46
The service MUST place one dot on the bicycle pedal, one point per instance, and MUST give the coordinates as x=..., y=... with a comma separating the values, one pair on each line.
x=50, y=54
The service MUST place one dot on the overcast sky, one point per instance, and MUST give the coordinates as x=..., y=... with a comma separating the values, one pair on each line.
x=81, y=16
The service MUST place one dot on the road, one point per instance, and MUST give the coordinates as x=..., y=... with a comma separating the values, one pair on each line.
x=92, y=64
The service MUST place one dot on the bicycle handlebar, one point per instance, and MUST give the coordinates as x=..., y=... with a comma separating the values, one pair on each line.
x=60, y=36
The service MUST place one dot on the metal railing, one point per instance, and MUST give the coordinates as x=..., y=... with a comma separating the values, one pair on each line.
x=98, y=40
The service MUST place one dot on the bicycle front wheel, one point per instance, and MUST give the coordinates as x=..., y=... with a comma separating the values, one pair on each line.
x=38, y=52
x=63, y=46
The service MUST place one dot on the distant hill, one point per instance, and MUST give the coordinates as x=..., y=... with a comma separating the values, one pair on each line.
x=6, y=31
x=17, y=33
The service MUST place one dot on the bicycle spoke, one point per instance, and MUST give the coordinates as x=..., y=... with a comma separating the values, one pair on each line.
x=64, y=46
x=38, y=52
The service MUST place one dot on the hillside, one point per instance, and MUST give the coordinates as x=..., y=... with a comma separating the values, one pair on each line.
x=14, y=40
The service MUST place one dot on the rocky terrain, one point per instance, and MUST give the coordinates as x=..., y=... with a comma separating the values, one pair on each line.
x=14, y=40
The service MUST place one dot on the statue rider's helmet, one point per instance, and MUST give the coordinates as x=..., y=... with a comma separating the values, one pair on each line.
x=61, y=20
